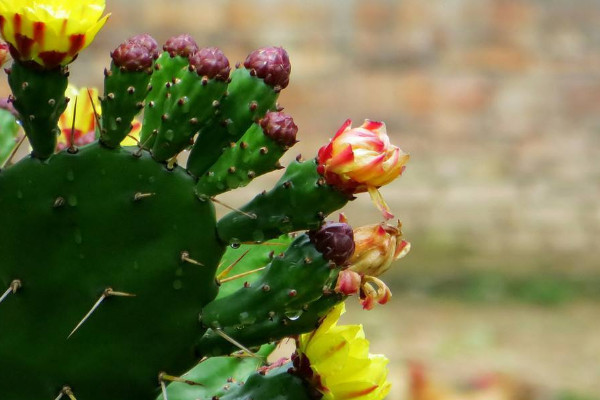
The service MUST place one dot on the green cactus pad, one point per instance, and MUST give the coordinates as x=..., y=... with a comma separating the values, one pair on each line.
x=288, y=284
x=248, y=257
x=8, y=134
x=253, y=155
x=40, y=100
x=248, y=99
x=71, y=228
x=166, y=69
x=300, y=200
x=185, y=111
x=275, y=384
x=217, y=376
x=124, y=94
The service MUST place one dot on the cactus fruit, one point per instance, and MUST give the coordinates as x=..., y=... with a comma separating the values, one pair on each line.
x=116, y=276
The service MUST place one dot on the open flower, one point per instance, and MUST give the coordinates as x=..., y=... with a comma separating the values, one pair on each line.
x=377, y=247
x=362, y=159
x=50, y=32
x=335, y=361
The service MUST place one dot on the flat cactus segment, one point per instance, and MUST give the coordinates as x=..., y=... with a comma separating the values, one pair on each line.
x=8, y=134
x=96, y=220
x=40, y=100
x=253, y=155
x=124, y=94
x=165, y=71
x=217, y=376
x=289, y=283
x=275, y=384
x=248, y=99
x=188, y=107
x=300, y=200
x=275, y=328
x=238, y=260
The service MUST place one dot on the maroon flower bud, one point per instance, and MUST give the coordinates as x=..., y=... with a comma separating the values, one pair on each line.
x=335, y=240
x=136, y=53
x=280, y=127
x=211, y=62
x=271, y=64
x=147, y=41
x=182, y=45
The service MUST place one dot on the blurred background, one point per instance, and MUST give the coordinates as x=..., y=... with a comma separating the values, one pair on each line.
x=498, y=103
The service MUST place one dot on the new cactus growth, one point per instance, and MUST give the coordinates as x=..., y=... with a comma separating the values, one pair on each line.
x=116, y=276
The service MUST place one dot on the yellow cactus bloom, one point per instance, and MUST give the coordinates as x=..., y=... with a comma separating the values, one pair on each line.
x=340, y=366
x=50, y=32
x=78, y=126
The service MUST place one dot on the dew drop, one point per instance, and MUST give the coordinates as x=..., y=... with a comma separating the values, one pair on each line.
x=19, y=195
x=235, y=244
x=293, y=315
x=179, y=272
x=70, y=175
x=177, y=284
x=136, y=265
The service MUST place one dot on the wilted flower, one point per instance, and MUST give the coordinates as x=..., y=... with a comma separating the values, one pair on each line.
x=50, y=32
x=362, y=159
x=335, y=361
x=377, y=246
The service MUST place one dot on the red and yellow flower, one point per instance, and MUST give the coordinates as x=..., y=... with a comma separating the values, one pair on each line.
x=50, y=32
x=335, y=360
x=362, y=160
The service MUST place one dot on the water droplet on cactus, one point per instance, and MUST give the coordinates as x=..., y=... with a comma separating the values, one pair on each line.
x=293, y=315
x=19, y=195
x=72, y=200
x=246, y=318
x=70, y=175
x=136, y=265
x=235, y=244
x=179, y=272
x=177, y=284
x=151, y=179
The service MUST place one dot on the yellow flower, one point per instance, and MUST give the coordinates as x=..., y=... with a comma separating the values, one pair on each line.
x=362, y=159
x=336, y=361
x=84, y=131
x=50, y=32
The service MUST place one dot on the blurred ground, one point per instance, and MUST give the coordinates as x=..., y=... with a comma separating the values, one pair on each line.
x=498, y=102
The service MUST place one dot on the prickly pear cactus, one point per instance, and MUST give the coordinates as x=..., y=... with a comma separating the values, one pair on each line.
x=115, y=275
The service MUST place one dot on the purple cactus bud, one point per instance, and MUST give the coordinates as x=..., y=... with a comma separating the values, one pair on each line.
x=147, y=41
x=182, y=45
x=335, y=240
x=211, y=62
x=271, y=64
x=280, y=127
x=136, y=53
